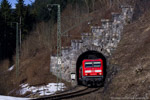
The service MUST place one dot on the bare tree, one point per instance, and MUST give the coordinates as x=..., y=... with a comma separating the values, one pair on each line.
x=87, y=4
x=93, y=2
x=102, y=2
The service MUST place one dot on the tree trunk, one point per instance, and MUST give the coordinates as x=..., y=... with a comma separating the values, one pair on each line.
x=93, y=4
x=86, y=1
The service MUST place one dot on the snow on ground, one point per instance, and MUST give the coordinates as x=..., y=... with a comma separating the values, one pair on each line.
x=11, y=98
x=11, y=68
x=49, y=89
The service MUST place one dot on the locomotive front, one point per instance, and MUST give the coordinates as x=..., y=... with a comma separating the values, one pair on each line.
x=92, y=72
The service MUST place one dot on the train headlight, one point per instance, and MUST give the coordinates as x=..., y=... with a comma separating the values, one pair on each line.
x=98, y=70
x=88, y=71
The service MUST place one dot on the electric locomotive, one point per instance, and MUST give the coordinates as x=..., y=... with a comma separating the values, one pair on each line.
x=91, y=72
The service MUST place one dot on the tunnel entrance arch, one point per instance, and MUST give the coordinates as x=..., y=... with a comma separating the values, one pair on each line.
x=90, y=54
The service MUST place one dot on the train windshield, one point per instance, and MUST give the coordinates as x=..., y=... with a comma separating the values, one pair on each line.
x=93, y=64
x=88, y=64
x=97, y=64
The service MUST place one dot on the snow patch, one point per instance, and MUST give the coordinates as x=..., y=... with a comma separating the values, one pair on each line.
x=12, y=98
x=11, y=68
x=49, y=89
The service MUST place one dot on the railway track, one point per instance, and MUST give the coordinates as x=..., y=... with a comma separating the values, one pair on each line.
x=79, y=91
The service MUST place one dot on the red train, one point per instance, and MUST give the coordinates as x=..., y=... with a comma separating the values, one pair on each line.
x=91, y=72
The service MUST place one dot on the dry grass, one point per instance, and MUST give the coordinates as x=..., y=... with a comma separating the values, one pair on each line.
x=4, y=65
x=7, y=83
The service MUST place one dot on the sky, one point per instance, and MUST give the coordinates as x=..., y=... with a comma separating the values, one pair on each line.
x=13, y=2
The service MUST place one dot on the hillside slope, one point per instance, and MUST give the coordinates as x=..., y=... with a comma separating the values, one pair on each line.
x=133, y=60
x=131, y=63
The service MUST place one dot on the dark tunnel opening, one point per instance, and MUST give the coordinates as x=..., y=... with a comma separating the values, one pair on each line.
x=90, y=55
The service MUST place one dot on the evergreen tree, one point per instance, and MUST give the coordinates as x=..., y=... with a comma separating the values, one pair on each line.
x=7, y=38
x=42, y=11
x=29, y=19
x=20, y=16
x=25, y=16
x=6, y=10
x=20, y=8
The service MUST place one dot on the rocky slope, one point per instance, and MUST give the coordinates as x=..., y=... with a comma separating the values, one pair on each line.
x=129, y=69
